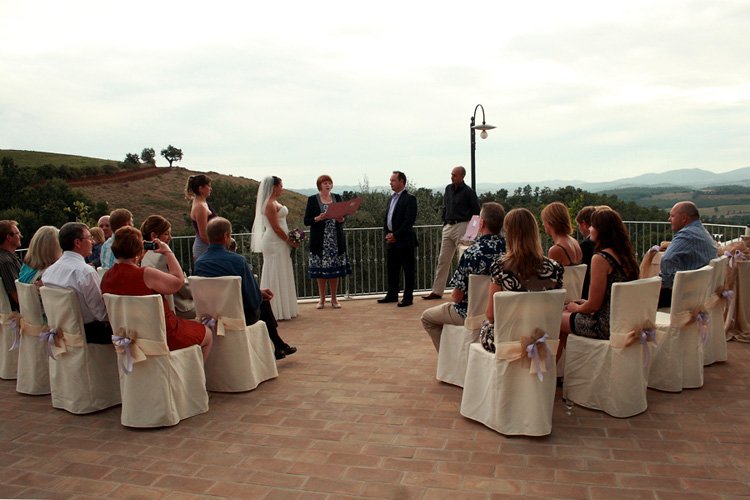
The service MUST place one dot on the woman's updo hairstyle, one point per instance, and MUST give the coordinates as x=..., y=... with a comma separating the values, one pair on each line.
x=194, y=183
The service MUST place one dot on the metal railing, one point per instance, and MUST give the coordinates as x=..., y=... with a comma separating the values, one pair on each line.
x=367, y=254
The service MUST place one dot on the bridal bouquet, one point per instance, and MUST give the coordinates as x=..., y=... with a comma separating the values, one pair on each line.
x=297, y=235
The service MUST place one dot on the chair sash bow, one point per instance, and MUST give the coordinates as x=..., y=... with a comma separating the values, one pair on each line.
x=13, y=320
x=219, y=324
x=720, y=293
x=736, y=255
x=698, y=315
x=536, y=349
x=54, y=341
x=643, y=335
x=130, y=349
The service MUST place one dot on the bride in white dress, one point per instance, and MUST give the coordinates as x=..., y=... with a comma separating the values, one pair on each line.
x=271, y=237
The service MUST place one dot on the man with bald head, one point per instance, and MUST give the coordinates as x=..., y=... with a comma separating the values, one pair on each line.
x=691, y=247
x=104, y=226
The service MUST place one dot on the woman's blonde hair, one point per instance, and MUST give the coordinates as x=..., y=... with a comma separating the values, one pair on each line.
x=557, y=217
x=524, y=247
x=44, y=248
x=97, y=234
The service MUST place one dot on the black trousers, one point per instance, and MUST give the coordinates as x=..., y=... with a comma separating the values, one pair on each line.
x=266, y=315
x=98, y=332
x=398, y=259
x=665, y=297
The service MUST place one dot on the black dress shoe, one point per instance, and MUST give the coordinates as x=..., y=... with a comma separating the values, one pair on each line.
x=432, y=296
x=386, y=300
x=288, y=350
x=405, y=303
x=279, y=354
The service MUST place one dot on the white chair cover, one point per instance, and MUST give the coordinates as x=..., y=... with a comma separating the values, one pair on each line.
x=33, y=361
x=165, y=386
x=738, y=315
x=573, y=282
x=716, y=304
x=612, y=375
x=83, y=377
x=242, y=356
x=507, y=391
x=678, y=363
x=9, y=325
x=455, y=340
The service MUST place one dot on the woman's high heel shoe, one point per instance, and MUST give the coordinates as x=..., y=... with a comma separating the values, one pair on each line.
x=320, y=305
x=335, y=305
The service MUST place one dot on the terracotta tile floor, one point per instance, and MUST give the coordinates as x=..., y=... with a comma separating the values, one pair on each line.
x=357, y=412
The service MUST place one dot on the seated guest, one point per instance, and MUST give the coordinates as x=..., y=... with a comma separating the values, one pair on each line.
x=157, y=227
x=119, y=217
x=97, y=235
x=583, y=220
x=126, y=278
x=71, y=272
x=477, y=259
x=613, y=262
x=523, y=268
x=565, y=249
x=104, y=226
x=10, y=264
x=219, y=261
x=691, y=247
x=44, y=250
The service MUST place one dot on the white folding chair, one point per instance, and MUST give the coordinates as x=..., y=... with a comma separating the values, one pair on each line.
x=83, y=376
x=159, y=387
x=513, y=390
x=678, y=363
x=33, y=361
x=573, y=279
x=716, y=305
x=612, y=375
x=455, y=340
x=10, y=324
x=242, y=356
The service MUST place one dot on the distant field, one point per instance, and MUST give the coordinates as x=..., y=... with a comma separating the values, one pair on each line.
x=38, y=158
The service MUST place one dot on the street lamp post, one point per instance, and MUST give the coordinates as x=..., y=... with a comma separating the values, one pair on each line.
x=473, y=128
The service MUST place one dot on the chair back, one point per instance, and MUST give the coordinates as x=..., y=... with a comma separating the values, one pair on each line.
x=33, y=362
x=633, y=305
x=142, y=315
x=689, y=291
x=64, y=312
x=30, y=304
x=573, y=279
x=218, y=297
x=519, y=314
x=83, y=377
x=8, y=357
x=478, y=286
x=242, y=356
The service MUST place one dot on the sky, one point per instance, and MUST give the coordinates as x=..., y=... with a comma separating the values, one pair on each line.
x=578, y=90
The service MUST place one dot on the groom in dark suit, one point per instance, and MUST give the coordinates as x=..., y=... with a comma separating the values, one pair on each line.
x=400, y=240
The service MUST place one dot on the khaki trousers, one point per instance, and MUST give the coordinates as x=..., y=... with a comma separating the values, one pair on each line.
x=434, y=318
x=452, y=234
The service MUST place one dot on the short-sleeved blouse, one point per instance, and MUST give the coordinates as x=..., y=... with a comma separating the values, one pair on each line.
x=549, y=276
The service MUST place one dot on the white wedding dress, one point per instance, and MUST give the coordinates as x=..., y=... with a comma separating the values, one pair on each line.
x=278, y=273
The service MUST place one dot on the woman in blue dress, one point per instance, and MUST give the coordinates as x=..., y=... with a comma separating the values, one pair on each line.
x=328, y=260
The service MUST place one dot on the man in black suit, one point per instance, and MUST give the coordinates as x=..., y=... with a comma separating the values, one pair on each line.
x=400, y=240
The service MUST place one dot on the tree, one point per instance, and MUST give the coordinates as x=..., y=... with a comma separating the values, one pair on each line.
x=171, y=154
x=148, y=155
x=131, y=159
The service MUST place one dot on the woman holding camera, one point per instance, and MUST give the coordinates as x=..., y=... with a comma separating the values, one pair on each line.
x=127, y=278
x=156, y=227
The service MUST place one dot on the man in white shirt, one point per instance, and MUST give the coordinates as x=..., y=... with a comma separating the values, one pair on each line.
x=72, y=272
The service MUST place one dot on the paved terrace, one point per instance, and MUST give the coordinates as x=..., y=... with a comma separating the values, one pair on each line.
x=357, y=413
